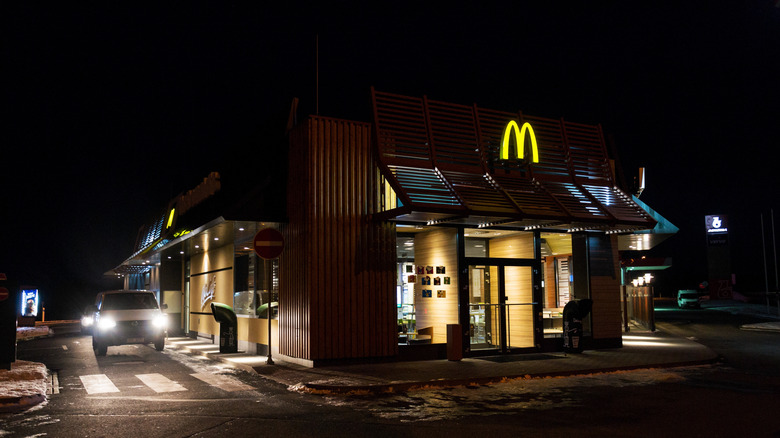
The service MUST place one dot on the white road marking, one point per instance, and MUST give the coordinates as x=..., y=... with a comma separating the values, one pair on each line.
x=222, y=382
x=98, y=384
x=160, y=383
x=65, y=347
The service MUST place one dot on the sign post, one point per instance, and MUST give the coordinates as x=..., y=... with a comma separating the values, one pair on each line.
x=268, y=245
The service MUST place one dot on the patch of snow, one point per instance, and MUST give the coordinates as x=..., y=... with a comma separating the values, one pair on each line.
x=23, y=333
x=24, y=379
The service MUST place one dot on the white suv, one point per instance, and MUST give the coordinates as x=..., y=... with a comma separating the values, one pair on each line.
x=128, y=317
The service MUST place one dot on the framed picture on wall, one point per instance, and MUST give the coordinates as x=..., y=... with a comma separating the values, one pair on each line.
x=446, y=280
x=412, y=279
x=427, y=293
x=426, y=281
x=441, y=294
x=409, y=269
x=440, y=270
x=429, y=269
x=420, y=270
x=437, y=281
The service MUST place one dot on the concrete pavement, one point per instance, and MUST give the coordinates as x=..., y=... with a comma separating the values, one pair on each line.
x=641, y=350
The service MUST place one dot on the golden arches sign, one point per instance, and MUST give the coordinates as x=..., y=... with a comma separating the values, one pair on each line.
x=519, y=132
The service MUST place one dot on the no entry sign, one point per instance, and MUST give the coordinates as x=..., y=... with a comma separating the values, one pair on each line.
x=268, y=243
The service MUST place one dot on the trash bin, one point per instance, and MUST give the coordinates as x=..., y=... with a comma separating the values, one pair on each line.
x=228, y=327
x=573, y=313
x=454, y=342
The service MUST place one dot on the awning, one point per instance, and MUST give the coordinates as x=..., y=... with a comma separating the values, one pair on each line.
x=645, y=239
x=444, y=162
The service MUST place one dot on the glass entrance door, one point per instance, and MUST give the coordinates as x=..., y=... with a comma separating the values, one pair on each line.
x=500, y=307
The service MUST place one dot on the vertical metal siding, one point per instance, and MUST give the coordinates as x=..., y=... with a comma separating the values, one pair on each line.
x=337, y=297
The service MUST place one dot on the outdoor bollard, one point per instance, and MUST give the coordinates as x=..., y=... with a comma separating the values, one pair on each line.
x=228, y=327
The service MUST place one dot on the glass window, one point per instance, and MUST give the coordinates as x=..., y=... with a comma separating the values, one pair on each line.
x=481, y=242
x=556, y=249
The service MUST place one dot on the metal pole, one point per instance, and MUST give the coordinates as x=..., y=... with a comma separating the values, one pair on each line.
x=269, y=284
x=763, y=252
x=774, y=248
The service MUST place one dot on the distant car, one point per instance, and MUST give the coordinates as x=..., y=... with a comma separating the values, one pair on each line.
x=688, y=298
x=127, y=317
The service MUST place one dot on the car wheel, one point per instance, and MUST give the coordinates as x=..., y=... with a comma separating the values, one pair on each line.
x=159, y=345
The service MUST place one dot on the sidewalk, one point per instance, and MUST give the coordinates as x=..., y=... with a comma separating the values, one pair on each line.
x=641, y=349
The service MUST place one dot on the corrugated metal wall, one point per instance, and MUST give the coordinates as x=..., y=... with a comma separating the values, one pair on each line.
x=337, y=272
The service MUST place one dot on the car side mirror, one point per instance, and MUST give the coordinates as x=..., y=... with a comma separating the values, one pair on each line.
x=164, y=306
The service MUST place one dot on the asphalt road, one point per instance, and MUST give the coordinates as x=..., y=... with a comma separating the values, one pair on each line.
x=137, y=391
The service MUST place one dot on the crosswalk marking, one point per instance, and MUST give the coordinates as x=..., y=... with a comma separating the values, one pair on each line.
x=101, y=384
x=160, y=383
x=98, y=384
x=224, y=383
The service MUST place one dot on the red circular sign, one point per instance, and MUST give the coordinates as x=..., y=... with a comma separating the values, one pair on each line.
x=268, y=243
x=3, y=294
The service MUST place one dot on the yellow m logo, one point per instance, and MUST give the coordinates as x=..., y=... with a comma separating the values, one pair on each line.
x=512, y=127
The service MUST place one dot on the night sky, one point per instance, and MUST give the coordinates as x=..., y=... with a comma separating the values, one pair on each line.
x=113, y=110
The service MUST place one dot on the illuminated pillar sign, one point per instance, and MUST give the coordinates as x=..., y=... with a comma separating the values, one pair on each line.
x=520, y=136
x=717, y=229
x=30, y=302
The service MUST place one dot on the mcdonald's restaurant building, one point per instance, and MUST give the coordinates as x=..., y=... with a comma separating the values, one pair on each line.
x=434, y=226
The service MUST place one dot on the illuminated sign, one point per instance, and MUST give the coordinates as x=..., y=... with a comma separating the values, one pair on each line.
x=520, y=134
x=182, y=232
x=715, y=224
x=170, y=218
x=30, y=302
x=717, y=230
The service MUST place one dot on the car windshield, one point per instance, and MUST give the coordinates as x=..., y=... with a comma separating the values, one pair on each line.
x=129, y=301
x=688, y=295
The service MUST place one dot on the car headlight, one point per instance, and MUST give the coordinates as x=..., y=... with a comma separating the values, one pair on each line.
x=106, y=323
x=86, y=321
x=160, y=321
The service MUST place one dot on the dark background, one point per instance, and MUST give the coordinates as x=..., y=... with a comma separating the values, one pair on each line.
x=113, y=110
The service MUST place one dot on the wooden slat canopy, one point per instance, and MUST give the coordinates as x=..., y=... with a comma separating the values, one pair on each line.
x=442, y=159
